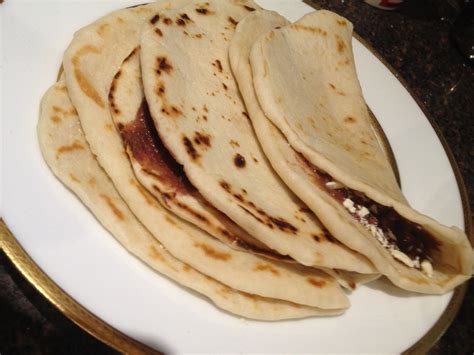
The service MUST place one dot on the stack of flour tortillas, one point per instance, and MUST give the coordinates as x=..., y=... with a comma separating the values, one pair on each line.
x=232, y=151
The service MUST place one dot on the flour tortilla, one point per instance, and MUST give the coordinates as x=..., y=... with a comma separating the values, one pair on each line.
x=272, y=141
x=306, y=84
x=191, y=91
x=156, y=169
x=66, y=152
x=89, y=74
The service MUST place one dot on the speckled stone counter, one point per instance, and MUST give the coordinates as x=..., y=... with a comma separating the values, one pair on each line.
x=415, y=41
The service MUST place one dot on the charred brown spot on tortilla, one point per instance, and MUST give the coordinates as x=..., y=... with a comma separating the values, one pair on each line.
x=255, y=160
x=316, y=283
x=211, y=252
x=246, y=114
x=239, y=161
x=91, y=181
x=102, y=29
x=115, y=210
x=185, y=17
x=201, y=138
x=309, y=29
x=341, y=46
x=163, y=64
x=283, y=225
x=409, y=237
x=56, y=119
x=248, y=8
x=204, y=11
x=167, y=21
x=155, y=254
x=169, y=110
x=169, y=197
x=199, y=35
x=158, y=32
x=65, y=113
x=155, y=19
x=217, y=63
x=142, y=139
x=160, y=91
x=86, y=87
x=192, y=152
x=349, y=119
x=266, y=267
x=316, y=237
x=336, y=90
x=74, y=178
x=341, y=23
x=224, y=86
x=204, y=107
x=186, y=268
x=225, y=185
x=232, y=21
x=76, y=145
x=109, y=127
x=62, y=88
x=170, y=220
x=260, y=215
x=234, y=144
x=180, y=22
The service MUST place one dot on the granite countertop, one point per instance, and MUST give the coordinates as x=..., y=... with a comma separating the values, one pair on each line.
x=415, y=41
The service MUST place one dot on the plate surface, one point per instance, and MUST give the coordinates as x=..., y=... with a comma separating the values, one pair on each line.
x=68, y=243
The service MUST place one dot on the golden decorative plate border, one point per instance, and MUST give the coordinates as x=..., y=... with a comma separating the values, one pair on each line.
x=123, y=343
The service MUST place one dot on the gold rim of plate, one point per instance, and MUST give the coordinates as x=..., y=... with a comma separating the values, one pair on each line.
x=123, y=343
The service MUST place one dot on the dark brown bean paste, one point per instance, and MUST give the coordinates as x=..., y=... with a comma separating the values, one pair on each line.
x=410, y=238
x=141, y=137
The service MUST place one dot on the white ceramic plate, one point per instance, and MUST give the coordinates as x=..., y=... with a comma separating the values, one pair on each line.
x=68, y=243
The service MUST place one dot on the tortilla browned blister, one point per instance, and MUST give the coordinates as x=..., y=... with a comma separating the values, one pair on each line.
x=306, y=84
x=90, y=64
x=192, y=94
x=68, y=155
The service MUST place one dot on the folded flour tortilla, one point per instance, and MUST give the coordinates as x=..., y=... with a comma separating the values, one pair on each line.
x=272, y=141
x=67, y=153
x=192, y=94
x=305, y=80
x=90, y=64
x=156, y=169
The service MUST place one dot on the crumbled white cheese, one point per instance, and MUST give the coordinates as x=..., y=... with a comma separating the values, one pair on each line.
x=363, y=212
x=334, y=185
x=378, y=233
x=397, y=254
x=349, y=204
x=427, y=268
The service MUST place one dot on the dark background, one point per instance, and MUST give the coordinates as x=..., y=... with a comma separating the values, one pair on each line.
x=416, y=41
